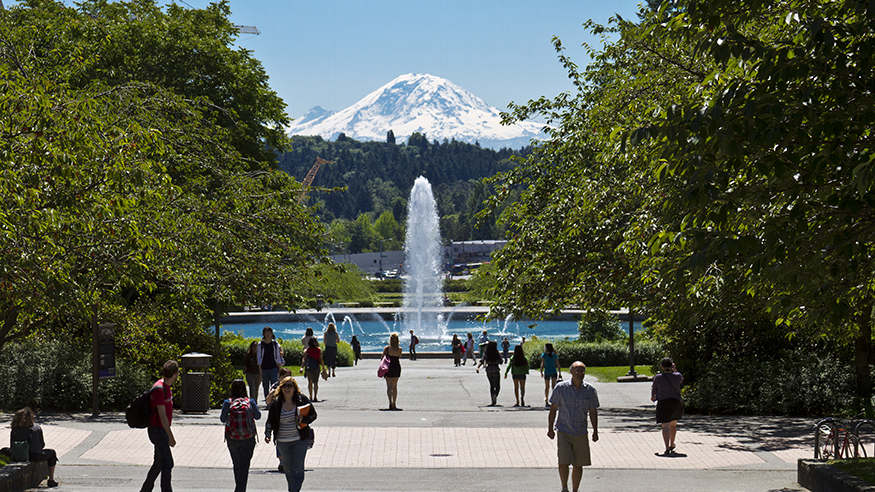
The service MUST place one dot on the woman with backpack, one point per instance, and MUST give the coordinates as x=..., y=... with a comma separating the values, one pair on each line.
x=239, y=414
x=288, y=422
x=312, y=364
x=25, y=430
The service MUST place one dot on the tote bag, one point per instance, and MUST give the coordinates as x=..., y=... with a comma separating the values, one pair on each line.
x=384, y=367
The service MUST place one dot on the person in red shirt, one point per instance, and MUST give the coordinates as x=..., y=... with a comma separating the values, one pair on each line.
x=159, y=428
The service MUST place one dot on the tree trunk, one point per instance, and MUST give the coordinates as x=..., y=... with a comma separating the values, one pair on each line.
x=863, y=354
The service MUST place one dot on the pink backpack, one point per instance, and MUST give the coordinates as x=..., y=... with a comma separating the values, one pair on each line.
x=240, y=423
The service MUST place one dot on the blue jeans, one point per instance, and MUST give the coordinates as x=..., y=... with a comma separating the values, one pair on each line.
x=293, y=454
x=162, y=463
x=268, y=378
x=241, y=455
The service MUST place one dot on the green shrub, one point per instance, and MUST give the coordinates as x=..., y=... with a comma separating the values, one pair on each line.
x=456, y=285
x=389, y=285
x=598, y=354
x=55, y=375
x=795, y=383
x=596, y=326
x=236, y=347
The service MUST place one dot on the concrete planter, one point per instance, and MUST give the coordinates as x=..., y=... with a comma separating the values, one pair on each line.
x=817, y=476
x=16, y=477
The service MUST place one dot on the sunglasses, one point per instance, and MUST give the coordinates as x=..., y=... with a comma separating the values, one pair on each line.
x=288, y=386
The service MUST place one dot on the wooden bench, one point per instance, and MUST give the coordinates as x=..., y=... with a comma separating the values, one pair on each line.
x=384, y=304
x=350, y=304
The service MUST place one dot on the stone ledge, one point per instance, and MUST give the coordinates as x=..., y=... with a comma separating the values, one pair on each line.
x=817, y=476
x=16, y=477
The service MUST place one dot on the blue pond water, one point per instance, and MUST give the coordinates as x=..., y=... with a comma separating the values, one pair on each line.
x=374, y=334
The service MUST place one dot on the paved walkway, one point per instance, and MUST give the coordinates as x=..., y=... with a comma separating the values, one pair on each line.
x=446, y=438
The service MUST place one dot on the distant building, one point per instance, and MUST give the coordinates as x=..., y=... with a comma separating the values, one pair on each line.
x=472, y=251
x=455, y=252
x=371, y=263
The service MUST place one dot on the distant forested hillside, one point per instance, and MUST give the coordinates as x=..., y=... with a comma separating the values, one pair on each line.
x=378, y=177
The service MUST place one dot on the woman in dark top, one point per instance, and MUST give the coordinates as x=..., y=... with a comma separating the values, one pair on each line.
x=666, y=392
x=356, y=349
x=492, y=358
x=393, y=352
x=251, y=370
x=457, y=350
x=288, y=421
x=25, y=429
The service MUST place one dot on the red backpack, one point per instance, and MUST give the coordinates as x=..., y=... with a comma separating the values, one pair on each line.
x=240, y=423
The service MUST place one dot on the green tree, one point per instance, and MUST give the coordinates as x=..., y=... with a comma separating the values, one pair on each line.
x=361, y=235
x=112, y=192
x=772, y=165
x=388, y=229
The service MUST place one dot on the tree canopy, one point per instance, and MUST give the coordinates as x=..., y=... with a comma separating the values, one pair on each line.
x=116, y=186
x=715, y=154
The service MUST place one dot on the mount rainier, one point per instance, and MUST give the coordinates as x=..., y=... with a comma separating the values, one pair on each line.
x=418, y=103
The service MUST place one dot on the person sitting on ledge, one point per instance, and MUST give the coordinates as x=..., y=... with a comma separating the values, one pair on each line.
x=25, y=429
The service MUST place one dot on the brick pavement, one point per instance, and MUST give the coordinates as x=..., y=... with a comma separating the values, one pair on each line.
x=202, y=446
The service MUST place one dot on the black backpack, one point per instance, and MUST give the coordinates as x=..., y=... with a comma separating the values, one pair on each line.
x=139, y=411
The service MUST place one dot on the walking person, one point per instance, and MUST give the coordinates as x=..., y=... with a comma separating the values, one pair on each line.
x=519, y=368
x=314, y=363
x=251, y=371
x=481, y=342
x=393, y=352
x=284, y=373
x=288, y=422
x=356, y=349
x=571, y=401
x=492, y=358
x=25, y=429
x=161, y=403
x=270, y=359
x=550, y=370
x=414, y=341
x=239, y=414
x=305, y=340
x=469, y=349
x=330, y=339
x=505, y=346
x=666, y=392
x=457, y=350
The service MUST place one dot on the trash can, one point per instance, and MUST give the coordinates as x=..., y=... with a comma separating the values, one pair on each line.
x=195, y=385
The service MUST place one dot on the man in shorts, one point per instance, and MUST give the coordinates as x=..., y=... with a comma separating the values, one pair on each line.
x=571, y=401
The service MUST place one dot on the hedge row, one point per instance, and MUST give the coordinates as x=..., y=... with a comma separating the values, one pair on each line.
x=596, y=354
x=236, y=347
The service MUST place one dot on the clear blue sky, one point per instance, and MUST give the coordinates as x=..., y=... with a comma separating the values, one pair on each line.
x=331, y=53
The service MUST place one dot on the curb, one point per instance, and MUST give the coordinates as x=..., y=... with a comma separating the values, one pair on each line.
x=818, y=476
x=16, y=477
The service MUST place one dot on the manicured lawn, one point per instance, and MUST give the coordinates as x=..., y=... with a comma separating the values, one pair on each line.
x=611, y=373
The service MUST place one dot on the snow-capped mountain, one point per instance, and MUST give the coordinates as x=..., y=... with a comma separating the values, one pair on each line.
x=418, y=103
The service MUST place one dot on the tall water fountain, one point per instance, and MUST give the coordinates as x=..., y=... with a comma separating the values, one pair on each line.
x=422, y=251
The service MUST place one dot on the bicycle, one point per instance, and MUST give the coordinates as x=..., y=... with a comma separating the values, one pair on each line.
x=839, y=438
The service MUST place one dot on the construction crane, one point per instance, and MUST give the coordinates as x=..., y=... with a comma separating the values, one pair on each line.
x=310, y=176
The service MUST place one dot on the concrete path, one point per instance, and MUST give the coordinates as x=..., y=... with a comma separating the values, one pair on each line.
x=446, y=438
